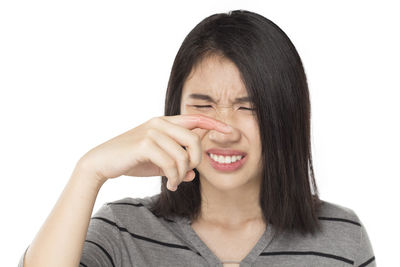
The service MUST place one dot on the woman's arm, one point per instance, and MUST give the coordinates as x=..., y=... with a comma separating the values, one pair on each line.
x=151, y=149
x=60, y=240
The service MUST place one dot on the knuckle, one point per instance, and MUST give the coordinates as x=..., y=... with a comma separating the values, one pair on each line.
x=146, y=143
x=151, y=132
x=154, y=121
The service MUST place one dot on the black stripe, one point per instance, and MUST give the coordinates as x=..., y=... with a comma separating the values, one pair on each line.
x=168, y=220
x=84, y=265
x=307, y=253
x=339, y=219
x=367, y=262
x=105, y=251
x=122, y=229
x=125, y=203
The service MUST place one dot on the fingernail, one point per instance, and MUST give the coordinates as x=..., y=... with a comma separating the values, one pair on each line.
x=172, y=188
x=189, y=175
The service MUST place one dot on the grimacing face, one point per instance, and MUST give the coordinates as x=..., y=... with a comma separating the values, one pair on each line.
x=219, y=79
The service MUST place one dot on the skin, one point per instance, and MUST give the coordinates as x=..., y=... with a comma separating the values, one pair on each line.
x=229, y=199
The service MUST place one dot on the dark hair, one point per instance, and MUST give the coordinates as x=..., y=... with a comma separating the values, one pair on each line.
x=273, y=74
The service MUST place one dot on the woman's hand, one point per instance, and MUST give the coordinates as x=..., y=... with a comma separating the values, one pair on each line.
x=154, y=148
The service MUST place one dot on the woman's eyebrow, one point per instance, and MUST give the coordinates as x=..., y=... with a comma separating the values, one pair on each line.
x=210, y=99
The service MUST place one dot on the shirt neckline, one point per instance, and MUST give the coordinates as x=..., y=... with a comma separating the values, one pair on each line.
x=211, y=258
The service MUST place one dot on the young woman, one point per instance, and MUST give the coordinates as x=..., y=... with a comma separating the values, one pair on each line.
x=234, y=153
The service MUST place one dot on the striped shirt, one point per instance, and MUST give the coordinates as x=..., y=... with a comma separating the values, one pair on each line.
x=126, y=233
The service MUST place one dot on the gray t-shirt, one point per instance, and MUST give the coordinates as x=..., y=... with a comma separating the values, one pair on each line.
x=126, y=233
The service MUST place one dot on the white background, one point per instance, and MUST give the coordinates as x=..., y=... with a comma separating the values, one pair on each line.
x=74, y=74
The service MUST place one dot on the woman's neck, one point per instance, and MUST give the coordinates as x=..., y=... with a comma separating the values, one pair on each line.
x=231, y=209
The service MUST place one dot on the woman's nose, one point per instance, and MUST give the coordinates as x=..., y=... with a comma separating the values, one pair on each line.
x=225, y=114
x=219, y=137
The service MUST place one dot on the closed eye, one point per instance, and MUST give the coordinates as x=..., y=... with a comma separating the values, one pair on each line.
x=198, y=106
x=208, y=106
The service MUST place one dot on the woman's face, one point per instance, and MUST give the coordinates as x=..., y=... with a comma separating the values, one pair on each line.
x=218, y=79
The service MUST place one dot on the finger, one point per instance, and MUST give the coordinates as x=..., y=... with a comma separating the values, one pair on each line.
x=192, y=121
x=175, y=151
x=183, y=137
x=200, y=132
x=162, y=159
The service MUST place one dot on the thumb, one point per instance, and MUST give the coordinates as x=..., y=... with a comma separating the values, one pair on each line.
x=190, y=175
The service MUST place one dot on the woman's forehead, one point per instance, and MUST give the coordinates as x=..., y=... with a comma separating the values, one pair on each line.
x=210, y=98
x=217, y=78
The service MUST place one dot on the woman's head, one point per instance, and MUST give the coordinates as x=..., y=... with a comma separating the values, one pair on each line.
x=265, y=66
x=213, y=88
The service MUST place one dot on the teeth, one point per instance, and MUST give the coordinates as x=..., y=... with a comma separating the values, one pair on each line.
x=227, y=159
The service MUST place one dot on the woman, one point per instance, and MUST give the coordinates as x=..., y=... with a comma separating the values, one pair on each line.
x=234, y=153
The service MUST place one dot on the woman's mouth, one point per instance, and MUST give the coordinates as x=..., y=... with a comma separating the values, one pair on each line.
x=226, y=163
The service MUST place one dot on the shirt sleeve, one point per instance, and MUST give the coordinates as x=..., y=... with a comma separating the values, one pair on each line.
x=22, y=259
x=365, y=254
x=102, y=246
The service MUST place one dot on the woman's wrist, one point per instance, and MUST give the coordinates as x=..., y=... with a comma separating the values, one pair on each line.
x=88, y=178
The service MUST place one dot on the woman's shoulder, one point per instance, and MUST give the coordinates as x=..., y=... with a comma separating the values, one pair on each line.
x=340, y=228
x=134, y=201
x=132, y=212
x=131, y=206
x=342, y=236
x=346, y=232
x=340, y=224
x=330, y=211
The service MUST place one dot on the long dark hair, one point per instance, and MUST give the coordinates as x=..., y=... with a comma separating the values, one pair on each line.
x=273, y=74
